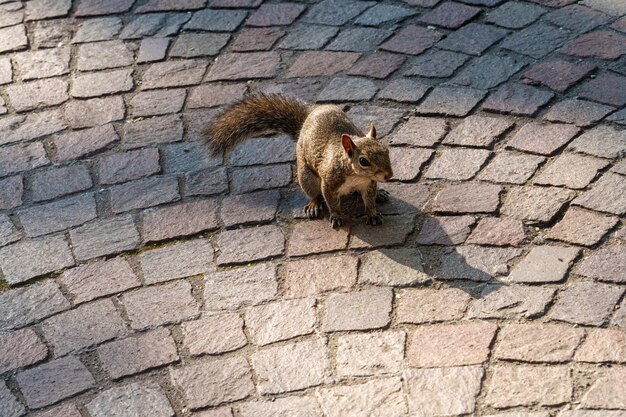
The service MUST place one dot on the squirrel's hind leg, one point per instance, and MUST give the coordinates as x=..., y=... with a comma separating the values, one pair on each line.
x=311, y=185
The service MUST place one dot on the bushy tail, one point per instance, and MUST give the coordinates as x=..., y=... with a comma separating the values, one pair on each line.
x=256, y=115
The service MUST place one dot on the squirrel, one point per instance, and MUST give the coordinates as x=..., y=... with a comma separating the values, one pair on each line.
x=333, y=157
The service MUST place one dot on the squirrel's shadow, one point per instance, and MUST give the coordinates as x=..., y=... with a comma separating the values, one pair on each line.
x=441, y=264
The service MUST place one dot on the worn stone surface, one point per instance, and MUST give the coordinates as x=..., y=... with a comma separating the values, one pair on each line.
x=607, y=264
x=571, y=171
x=284, y=406
x=603, y=345
x=26, y=305
x=501, y=231
x=19, y=349
x=544, y=264
x=582, y=227
x=373, y=307
x=606, y=194
x=180, y=260
x=214, y=334
x=370, y=398
x=281, y=320
x=604, y=393
x=535, y=204
x=602, y=141
x=427, y=305
x=143, y=398
x=393, y=267
x=537, y=342
x=304, y=278
x=370, y=354
x=470, y=197
x=231, y=289
x=586, y=303
x=511, y=301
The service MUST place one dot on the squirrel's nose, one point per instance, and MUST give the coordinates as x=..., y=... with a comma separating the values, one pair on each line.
x=388, y=176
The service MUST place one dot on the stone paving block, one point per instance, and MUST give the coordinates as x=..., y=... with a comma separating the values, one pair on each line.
x=470, y=197
x=380, y=65
x=95, y=7
x=212, y=95
x=94, y=112
x=126, y=166
x=55, y=182
x=537, y=40
x=449, y=15
x=457, y=164
x=591, y=413
x=451, y=345
x=44, y=63
x=506, y=301
x=256, y=39
x=544, y=264
x=169, y=5
x=429, y=305
x=393, y=232
x=374, y=397
x=238, y=66
x=87, y=325
x=138, y=353
x=249, y=179
x=514, y=15
x=606, y=264
x=206, y=182
x=479, y=131
x=50, y=33
x=308, y=37
x=475, y=263
x=154, y=103
x=488, y=71
x=6, y=71
x=578, y=112
x=76, y=144
x=100, y=29
x=37, y=94
x=216, y=20
x=557, y=75
x=143, y=398
x=600, y=44
x=306, y=405
x=435, y=63
x=524, y=385
x=20, y=349
x=403, y=90
x=266, y=150
x=586, y=303
x=542, y=138
x=12, y=14
x=292, y=367
x=8, y=231
x=25, y=127
x=22, y=157
x=316, y=63
x=342, y=89
x=101, y=83
x=156, y=130
x=103, y=55
x=577, y=18
x=412, y=40
x=606, y=88
x=335, y=12
x=160, y=304
x=174, y=73
x=180, y=260
x=11, y=407
x=281, y=320
x=358, y=39
x=370, y=354
x=474, y=39
x=245, y=245
x=154, y=24
x=191, y=45
x=608, y=194
x=259, y=207
x=178, y=220
x=187, y=156
x=27, y=259
x=93, y=280
x=535, y=204
x=393, y=267
x=64, y=410
x=383, y=13
x=214, y=334
x=152, y=49
x=312, y=237
x=234, y=288
x=619, y=25
x=537, y=342
x=613, y=8
x=420, y=131
x=385, y=118
x=498, y=231
x=12, y=192
x=603, y=345
x=15, y=37
x=517, y=99
x=54, y=381
x=602, y=141
x=58, y=215
x=605, y=393
x=279, y=14
x=141, y=193
x=104, y=237
x=362, y=310
x=582, y=227
x=25, y=305
x=451, y=101
x=308, y=277
x=443, y=391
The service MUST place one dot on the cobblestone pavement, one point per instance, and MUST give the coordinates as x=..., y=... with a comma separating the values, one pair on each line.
x=139, y=277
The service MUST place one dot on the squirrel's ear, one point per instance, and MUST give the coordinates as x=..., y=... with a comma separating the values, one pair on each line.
x=372, y=132
x=348, y=145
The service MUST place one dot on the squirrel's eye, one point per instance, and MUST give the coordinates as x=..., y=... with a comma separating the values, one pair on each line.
x=364, y=162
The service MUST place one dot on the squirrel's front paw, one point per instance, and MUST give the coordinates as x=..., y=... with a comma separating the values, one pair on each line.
x=382, y=196
x=335, y=221
x=374, y=220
